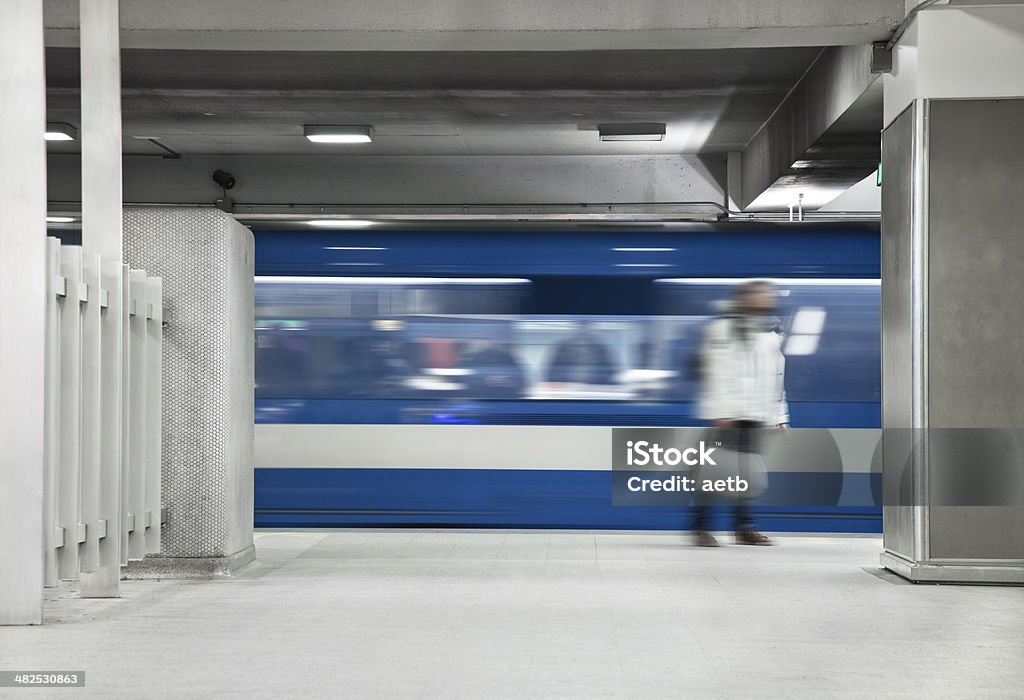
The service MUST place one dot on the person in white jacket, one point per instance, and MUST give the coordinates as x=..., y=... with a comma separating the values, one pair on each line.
x=744, y=389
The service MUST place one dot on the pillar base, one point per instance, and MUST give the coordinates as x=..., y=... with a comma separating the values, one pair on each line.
x=980, y=572
x=158, y=567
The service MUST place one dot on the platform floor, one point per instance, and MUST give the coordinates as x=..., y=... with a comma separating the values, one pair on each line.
x=382, y=614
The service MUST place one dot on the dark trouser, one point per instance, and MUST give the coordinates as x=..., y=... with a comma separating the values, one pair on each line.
x=744, y=438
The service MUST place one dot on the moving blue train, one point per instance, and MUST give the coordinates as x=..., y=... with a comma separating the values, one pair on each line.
x=467, y=377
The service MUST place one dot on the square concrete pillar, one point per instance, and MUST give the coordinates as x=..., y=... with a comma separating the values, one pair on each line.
x=952, y=292
x=952, y=315
x=205, y=259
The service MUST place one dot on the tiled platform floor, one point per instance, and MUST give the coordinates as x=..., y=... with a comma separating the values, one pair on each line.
x=381, y=614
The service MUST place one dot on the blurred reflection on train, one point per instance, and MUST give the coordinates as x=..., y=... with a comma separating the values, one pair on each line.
x=376, y=350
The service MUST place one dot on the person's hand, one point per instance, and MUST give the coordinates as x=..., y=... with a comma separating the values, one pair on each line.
x=783, y=428
x=724, y=423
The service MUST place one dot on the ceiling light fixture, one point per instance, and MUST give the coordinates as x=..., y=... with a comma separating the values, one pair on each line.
x=632, y=132
x=60, y=219
x=59, y=131
x=338, y=133
x=342, y=223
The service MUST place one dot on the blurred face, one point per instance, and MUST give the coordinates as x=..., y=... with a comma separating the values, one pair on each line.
x=759, y=299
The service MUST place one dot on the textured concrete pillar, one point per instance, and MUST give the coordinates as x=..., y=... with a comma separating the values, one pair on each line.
x=205, y=259
x=951, y=298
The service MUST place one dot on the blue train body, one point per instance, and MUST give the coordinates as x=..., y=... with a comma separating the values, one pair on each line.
x=433, y=327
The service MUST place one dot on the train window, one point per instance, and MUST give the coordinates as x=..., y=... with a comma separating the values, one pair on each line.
x=832, y=329
x=481, y=339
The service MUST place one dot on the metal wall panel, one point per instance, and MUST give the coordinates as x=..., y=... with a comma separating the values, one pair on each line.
x=154, y=370
x=897, y=327
x=137, y=407
x=68, y=478
x=105, y=580
x=91, y=413
x=976, y=314
x=51, y=416
x=84, y=505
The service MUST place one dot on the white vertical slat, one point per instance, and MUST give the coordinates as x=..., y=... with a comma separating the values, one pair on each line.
x=89, y=480
x=126, y=418
x=51, y=410
x=70, y=413
x=137, y=402
x=154, y=420
x=105, y=581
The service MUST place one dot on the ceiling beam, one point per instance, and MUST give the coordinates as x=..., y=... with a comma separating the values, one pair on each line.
x=486, y=25
x=835, y=87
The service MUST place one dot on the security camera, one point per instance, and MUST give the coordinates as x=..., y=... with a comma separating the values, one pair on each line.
x=224, y=179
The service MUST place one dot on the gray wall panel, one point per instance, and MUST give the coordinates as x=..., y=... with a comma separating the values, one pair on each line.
x=897, y=324
x=976, y=264
x=976, y=303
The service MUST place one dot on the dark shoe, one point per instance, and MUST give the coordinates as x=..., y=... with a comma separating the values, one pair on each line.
x=703, y=538
x=753, y=537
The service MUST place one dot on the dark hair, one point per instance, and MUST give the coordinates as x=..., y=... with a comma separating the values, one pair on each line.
x=750, y=287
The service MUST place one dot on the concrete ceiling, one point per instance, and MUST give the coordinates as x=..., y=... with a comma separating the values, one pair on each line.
x=438, y=103
x=486, y=25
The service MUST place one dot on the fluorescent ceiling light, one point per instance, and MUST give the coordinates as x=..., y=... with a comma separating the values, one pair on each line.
x=59, y=131
x=339, y=133
x=60, y=219
x=632, y=132
x=342, y=223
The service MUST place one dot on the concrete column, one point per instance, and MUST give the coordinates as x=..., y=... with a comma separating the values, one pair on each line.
x=22, y=309
x=100, y=134
x=101, y=128
x=952, y=288
x=205, y=259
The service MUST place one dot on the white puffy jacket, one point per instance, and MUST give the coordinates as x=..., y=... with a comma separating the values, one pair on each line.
x=744, y=371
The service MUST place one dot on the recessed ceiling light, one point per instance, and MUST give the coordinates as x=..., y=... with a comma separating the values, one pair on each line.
x=60, y=219
x=342, y=223
x=338, y=133
x=632, y=132
x=59, y=131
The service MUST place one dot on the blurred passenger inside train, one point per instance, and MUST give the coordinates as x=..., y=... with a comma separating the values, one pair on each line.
x=646, y=353
x=282, y=360
x=383, y=364
x=744, y=393
x=497, y=374
x=582, y=358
